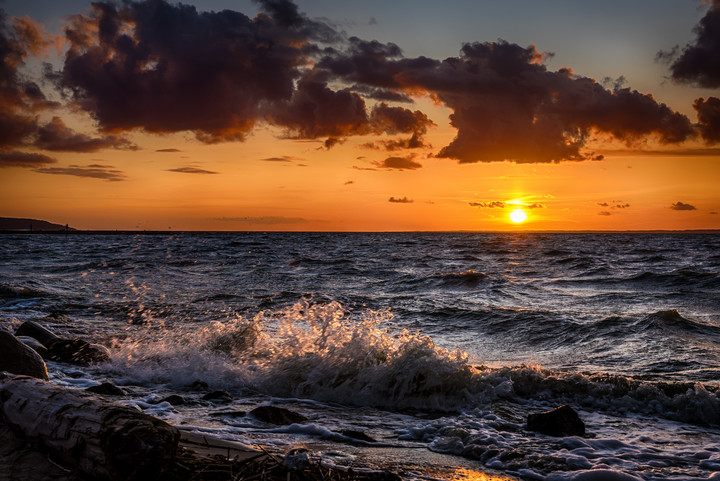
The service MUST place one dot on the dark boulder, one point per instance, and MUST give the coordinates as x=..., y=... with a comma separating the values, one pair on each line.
x=17, y=358
x=34, y=344
x=36, y=331
x=77, y=351
x=276, y=415
x=562, y=421
x=106, y=388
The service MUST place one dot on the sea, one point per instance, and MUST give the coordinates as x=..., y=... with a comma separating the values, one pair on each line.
x=421, y=353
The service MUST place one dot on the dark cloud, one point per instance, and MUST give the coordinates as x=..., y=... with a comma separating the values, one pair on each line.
x=24, y=159
x=708, y=113
x=318, y=111
x=162, y=68
x=168, y=68
x=499, y=204
x=615, y=204
x=494, y=204
x=95, y=171
x=56, y=136
x=386, y=95
x=604, y=212
x=398, y=120
x=331, y=142
x=678, y=152
x=414, y=142
x=400, y=200
x=20, y=99
x=168, y=150
x=682, y=206
x=349, y=182
x=699, y=62
x=508, y=106
x=191, y=170
x=398, y=163
x=284, y=158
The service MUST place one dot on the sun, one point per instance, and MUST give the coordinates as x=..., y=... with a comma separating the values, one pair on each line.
x=518, y=216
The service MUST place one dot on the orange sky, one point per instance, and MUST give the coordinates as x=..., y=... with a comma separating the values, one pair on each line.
x=172, y=180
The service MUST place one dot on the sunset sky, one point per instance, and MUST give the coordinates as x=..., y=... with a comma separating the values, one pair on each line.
x=335, y=115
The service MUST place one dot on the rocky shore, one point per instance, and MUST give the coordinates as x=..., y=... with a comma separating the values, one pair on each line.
x=48, y=432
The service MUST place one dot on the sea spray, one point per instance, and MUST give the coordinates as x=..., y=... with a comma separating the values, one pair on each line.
x=324, y=352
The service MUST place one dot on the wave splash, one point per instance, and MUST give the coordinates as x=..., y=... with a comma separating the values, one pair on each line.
x=324, y=352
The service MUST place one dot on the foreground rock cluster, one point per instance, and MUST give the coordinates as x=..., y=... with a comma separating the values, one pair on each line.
x=48, y=432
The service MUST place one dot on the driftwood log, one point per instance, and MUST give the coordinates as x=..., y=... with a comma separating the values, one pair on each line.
x=83, y=432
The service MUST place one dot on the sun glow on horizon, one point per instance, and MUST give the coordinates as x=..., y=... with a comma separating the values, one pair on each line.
x=518, y=216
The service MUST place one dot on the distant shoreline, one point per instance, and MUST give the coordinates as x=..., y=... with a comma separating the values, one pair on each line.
x=197, y=232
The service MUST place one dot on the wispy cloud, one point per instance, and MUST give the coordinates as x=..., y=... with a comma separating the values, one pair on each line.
x=283, y=158
x=398, y=163
x=682, y=206
x=191, y=170
x=499, y=204
x=400, y=200
x=94, y=171
x=24, y=159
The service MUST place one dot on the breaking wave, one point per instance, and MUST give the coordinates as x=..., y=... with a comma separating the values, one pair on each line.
x=324, y=352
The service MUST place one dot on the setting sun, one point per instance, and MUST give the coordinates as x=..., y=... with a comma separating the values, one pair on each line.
x=518, y=216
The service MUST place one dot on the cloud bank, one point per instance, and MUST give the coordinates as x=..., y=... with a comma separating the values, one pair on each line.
x=163, y=68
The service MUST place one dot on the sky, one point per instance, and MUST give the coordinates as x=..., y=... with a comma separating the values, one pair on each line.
x=332, y=115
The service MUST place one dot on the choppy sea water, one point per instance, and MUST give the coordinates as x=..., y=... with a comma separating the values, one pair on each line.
x=430, y=343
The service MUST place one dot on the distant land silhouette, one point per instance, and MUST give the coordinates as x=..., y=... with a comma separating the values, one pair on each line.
x=12, y=223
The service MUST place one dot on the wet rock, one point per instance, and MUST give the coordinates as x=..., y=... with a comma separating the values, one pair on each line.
x=76, y=351
x=199, y=386
x=106, y=388
x=218, y=396
x=359, y=435
x=37, y=332
x=174, y=400
x=33, y=343
x=17, y=358
x=562, y=421
x=276, y=415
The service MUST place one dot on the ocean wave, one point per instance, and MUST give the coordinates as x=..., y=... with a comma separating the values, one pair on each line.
x=465, y=279
x=19, y=291
x=326, y=353
x=671, y=321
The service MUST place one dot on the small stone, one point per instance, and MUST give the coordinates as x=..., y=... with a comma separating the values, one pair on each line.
x=276, y=415
x=218, y=396
x=174, y=400
x=106, y=388
x=562, y=421
x=297, y=459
